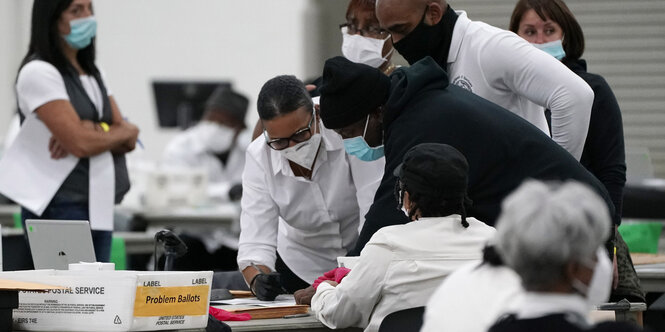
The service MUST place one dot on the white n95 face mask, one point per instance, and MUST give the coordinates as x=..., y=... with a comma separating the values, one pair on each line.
x=365, y=50
x=599, y=288
x=304, y=153
x=215, y=137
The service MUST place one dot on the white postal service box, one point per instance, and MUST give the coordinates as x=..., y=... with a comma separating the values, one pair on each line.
x=113, y=300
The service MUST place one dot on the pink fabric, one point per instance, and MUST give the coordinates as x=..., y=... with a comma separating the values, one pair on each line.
x=336, y=275
x=226, y=316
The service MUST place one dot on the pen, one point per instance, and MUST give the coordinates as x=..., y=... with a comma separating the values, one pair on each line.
x=296, y=316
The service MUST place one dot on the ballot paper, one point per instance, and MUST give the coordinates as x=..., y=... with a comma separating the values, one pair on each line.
x=281, y=300
x=30, y=177
x=28, y=174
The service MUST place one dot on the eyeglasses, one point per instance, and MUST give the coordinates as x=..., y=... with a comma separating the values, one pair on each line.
x=372, y=31
x=299, y=136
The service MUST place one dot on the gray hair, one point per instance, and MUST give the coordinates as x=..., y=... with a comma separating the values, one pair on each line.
x=544, y=226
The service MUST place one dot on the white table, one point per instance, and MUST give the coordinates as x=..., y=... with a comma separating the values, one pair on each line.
x=218, y=215
x=652, y=277
x=300, y=324
x=137, y=242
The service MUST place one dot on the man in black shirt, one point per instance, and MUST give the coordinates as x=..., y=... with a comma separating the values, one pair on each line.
x=417, y=105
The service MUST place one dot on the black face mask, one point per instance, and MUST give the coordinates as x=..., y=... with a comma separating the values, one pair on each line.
x=428, y=40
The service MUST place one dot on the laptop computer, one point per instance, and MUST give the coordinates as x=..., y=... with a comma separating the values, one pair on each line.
x=54, y=244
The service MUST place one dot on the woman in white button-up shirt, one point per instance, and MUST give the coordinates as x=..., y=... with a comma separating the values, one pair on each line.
x=303, y=196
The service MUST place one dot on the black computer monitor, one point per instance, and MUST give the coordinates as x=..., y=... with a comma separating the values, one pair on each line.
x=182, y=103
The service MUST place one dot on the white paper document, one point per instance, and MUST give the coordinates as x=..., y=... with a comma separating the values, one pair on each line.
x=30, y=177
x=281, y=300
x=28, y=174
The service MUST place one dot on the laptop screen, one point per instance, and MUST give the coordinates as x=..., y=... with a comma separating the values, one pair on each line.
x=55, y=244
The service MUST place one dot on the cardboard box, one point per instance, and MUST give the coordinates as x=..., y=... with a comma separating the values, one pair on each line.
x=113, y=300
x=9, y=299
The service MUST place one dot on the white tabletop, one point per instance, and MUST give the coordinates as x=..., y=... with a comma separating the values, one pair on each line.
x=652, y=277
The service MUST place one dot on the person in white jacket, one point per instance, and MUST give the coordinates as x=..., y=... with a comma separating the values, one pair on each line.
x=494, y=64
x=303, y=195
x=217, y=143
x=402, y=265
x=485, y=291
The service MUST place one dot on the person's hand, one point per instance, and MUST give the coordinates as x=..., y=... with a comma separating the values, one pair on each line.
x=133, y=135
x=56, y=149
x=266, y=286
x=131, y=132
x=304, y=296
x=336, y=275
x=331, y=283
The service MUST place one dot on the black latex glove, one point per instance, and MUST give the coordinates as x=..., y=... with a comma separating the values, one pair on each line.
x=266, y=286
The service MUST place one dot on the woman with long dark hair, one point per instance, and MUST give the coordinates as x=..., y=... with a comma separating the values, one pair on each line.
x=68, y=159
x=551, y=26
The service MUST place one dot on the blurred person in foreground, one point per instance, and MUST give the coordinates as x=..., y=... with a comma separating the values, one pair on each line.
x=552, y=235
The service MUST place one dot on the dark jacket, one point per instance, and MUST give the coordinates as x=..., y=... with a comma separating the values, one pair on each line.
x=604, y=153
x=557, y=323
x=501, y=148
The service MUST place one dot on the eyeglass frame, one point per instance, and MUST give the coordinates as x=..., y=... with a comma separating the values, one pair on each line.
x=269, y=141
x=380, y=34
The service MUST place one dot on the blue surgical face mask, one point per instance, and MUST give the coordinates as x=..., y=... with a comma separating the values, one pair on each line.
x=82, y=32
x=357, y=146
x=554, y=49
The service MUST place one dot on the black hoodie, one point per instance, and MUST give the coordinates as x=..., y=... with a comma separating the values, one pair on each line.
x=501, y=148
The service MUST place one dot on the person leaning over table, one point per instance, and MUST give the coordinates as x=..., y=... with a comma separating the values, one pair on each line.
x=494, y=64
x=552, y=236
x=552, y=27
x=303, y=196
x=68, y=159
x=402, y=265
x=415, y=105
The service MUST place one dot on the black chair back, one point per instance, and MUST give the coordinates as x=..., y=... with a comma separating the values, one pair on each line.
x=407, y=320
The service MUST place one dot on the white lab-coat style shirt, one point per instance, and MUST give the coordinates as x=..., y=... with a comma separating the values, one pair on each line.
x=188, y=149
x=309, y=222
x=399, y=268
x=503, y=68
x=472, y=299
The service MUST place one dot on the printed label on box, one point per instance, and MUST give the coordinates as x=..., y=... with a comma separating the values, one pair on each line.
x=171, y=301
x=113, y=301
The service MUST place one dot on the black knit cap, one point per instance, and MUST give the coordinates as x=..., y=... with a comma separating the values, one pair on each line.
x=226, y=100
x=434, y=169
x=350, y=91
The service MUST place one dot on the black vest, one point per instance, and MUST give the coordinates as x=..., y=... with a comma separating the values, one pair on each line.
x=76, y=186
